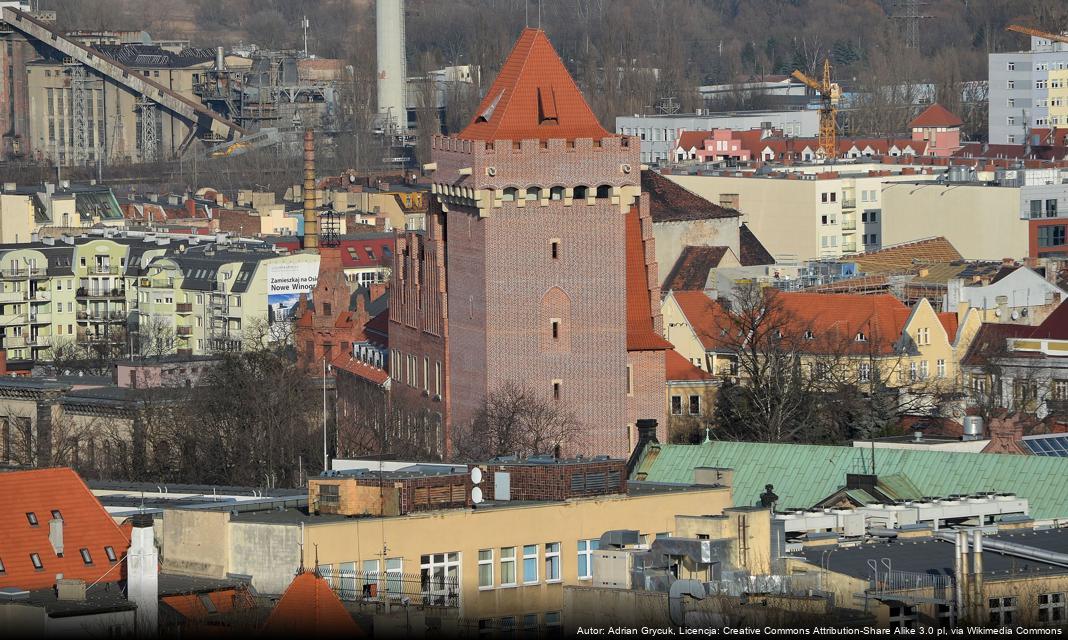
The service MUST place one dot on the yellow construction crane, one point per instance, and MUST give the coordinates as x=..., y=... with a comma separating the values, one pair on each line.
x=1028, y=31
x=830, y=94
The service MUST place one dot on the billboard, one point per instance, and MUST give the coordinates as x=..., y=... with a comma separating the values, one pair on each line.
x=286, y=282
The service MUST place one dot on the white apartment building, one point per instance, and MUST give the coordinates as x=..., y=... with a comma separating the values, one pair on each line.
x=1028, y=89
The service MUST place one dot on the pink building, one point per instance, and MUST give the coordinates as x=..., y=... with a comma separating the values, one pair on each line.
x=712, y=146
x=939, y=128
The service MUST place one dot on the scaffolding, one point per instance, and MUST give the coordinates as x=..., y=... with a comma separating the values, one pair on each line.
x=148, y=138
x=81, y=96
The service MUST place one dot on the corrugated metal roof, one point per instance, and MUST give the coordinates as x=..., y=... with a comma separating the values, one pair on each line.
x=805, y=474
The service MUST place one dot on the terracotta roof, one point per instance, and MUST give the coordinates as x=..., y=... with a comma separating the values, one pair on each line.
x=641, y=335
x=949, y=321
x=690, y=272
x=354, y=251
x=936, y=116
x=909, y=256
x=377, y=328
x=835, y=319
x=1002, y=153
x=752, y=251
x=693, y=139
x=347, y=363
x=990, y=341
x=669, y=202
x=679, y=369
x=191, y=605
x=706, y=317
x=86, y=525
x=1055, y=326
x=533, y=97
x=310, y=608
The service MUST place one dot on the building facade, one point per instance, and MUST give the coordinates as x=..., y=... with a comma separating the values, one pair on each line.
x=1027, y=89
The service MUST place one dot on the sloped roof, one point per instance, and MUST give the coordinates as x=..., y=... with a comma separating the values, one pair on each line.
x=751, y=249
x=690, y=272
x=347, y=363
x=679, y=369
x=805, y=474
x=707, y=318
x=936, y=116
x=533, y=97
x=908, y=256
x=1055, y=326
x=310, y=608
x=693, y=139
x=839, y=317
x=669, y=202
x=949, y=321
x=641, y=335
x=86, y=525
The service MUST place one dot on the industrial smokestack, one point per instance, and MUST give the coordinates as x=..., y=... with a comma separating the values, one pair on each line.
x=977, y=572
x=220, y=59
x=311, y=224
x=392, y=71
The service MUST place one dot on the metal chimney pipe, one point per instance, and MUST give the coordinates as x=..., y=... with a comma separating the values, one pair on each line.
x=220, y=59
x=961, y=566
x=977, y=571
x=311, y=223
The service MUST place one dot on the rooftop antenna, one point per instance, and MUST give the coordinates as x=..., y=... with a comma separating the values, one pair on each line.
x=539, y=14
x=304, y=23
x=526, y=13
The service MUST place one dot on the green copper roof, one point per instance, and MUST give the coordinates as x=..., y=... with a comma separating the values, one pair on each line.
x=805, y=474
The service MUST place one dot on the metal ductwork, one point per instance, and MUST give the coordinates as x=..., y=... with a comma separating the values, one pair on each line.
x=619, y=538
x=679, y=589
x=1014, y=549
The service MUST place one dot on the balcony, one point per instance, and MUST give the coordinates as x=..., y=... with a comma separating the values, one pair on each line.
x=40, y=318
x=41, y=296
x=184, y=307
x=849, y=203
x=22, y=273
x=849, y=225
x=849, y=247
x=102, y=270
x=39, y=342
x=92, y=292
x=11, y=296
x=102, y=316
x=11, y=342
x=184, y=332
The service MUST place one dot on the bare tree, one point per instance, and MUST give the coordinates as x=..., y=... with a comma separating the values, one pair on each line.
x=513, y=420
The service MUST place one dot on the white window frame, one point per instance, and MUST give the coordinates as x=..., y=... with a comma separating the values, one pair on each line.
x=553, y=557
x=585, y=550
x=531, y=556
x=486, y=563
x=941, y=367
x=508, y=556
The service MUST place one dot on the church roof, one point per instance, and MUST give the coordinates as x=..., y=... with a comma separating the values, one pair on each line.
x=310, y=607
x=533, y=97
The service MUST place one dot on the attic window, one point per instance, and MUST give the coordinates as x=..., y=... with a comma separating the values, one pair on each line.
x=370, y=252
x=488, y=113
x=110, y=552
x=3, y=569
x=208, y=604
x=32, y=518
x=56, y=514
x=36, y=560
x=86, y=558
x=861, y=337
x=547, y=106
x=809, y=335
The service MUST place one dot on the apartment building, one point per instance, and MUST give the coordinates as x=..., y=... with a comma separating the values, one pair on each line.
x=807, y=213
x=1028, y=89
x=987, y=215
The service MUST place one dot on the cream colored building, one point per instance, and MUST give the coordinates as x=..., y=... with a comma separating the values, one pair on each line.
x=804, y=214
x=510, y=561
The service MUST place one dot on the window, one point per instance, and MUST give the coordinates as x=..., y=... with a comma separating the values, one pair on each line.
x=86, y=558
x=865, y=371
x=912, y=371
x=1051, y=607
x=2, y=568
x=861, y=337
x=508, y=567
x=110, y=553
x=556, y=193
x=552, y=625
x=509, y=194
x=439, y=575
x=394, y=569
x=923, y=370
x=556, y=389
x=555, y=327
x=923, y=336
x=1011, y=84
x=533, y=193
x=530, y=563
x=585, y=557
x=329, y=495
x=552, y=562
x=485, y=569
x=36, y=560
x=1051, y=236
x=1010, y=120
x=581, y=192
x=1051, y=208
x=31, y=517
x=1002, y=611
x=941, y=368
x=630, y=380
x=676, y=405
x=823, y=219
x=1036, y=208
x=824, y=198
x=554, y=249
x=426, y=375
x=1011, y=66
x=695, y=405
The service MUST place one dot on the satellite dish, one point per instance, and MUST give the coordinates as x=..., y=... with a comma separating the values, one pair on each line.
x=476, y=495
x=476, y=475
x=1015, y=315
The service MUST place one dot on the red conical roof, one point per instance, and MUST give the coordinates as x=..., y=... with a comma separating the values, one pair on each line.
x=533, y=97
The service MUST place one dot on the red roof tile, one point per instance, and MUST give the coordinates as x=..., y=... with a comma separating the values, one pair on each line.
x=936, y=116
x=835, y=319
x=354, y=252
x=679, y=369
x=360, y=369
x=1055, y=326
x=310, y=608
x=671, y=202
x=86, y=525
x=693, y=139
x=641, y=336
x=690, y=272
x=533, y=97
x=949, y=321
x=706, y=316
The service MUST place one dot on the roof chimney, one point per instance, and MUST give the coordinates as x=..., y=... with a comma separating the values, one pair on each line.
x=646, y=436
x=55, y=535
x=311, y=226
x=142, y=572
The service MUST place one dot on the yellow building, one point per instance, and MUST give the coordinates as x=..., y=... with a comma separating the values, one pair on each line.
x=501, y=564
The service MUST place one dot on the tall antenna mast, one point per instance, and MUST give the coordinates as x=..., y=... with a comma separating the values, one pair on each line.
x=304, y=23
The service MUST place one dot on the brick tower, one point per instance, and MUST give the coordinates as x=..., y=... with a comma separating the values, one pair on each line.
x=551, y=280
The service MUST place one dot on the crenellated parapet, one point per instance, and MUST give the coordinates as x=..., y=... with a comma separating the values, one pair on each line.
x=531, y=173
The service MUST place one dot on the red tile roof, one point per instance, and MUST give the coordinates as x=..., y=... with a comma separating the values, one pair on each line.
x=907, y=257
x=690, y=272
x=671, y=202
x=354, y=251
x=1055, y=326
x=641, y=335
x=86, y=525
x=533, y=97
x=936, y=116
x=949, y=321
x=347, y=363
x=310, y=608
x=693, y=139
x=751, y=250
x=679, y=369
x=377, y=328
x=835, y=319
x=707, y=318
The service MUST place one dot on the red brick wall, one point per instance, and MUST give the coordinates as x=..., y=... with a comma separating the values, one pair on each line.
x=237, y=222
x=648, y=392
x=14, y=96
x=553, y=481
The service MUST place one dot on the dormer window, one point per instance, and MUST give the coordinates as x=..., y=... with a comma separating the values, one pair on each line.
x=861, y=337
x=809, y=335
